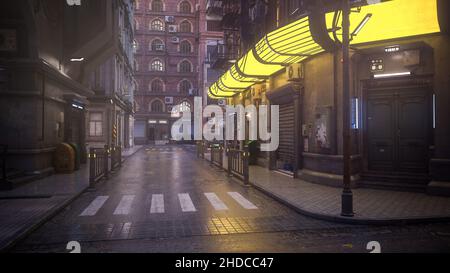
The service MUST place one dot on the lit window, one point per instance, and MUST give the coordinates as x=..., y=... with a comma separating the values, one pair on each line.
x=157, y=65
x=96, y=124
x=157, y=25
x=185, y=106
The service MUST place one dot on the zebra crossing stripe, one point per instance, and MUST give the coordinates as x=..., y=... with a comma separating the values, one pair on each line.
x=157, y=203
x=186, y=202
x=215, y=201
x=94, y=206
x=242, y=201
x=124, y=206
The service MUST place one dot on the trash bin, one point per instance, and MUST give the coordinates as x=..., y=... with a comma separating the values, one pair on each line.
x=77, y=151
x=64, y=158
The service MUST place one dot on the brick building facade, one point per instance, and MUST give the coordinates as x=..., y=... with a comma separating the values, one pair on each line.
x=167, y=40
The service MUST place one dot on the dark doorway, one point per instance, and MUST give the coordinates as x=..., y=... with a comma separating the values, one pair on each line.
x=151, y=134
x=398, y=130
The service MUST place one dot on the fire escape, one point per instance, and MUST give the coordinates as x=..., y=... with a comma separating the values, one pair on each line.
x=227, y=52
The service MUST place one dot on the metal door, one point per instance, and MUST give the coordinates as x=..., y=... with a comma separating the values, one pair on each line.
x=398, y=129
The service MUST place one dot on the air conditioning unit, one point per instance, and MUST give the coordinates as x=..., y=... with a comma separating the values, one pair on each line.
x=175, y=40
x=170, y=19
x=193, y=91
x=168, y=100
x=172, y=28
x=295, y=72
x=222, y=102
x=159, y=47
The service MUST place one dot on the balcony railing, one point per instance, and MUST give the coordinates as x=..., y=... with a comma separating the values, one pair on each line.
x=222, y=56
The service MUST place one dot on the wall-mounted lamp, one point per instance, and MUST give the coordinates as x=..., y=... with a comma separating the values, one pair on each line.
x=77, y=59
x=388, y=75
x=361, y=24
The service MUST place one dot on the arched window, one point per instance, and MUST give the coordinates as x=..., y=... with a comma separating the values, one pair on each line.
x=185, y=106
x=156, y=106
x=157, y=6
x=157, y=45
x=185, y=7
x=185, y=85
x=185, y=66
x=185, y=26
x=185, y=47
x=157, y=25
x=157, y=65
x=156, y=86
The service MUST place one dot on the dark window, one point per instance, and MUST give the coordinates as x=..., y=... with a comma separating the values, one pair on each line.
x=185, y=86
x=185, y=66
x=157, y=45
x=157, y=6
x=213, y=25
x=157, y=106
x=156, y=86
x=185, y=7
x=185, y=47
x=185, y=26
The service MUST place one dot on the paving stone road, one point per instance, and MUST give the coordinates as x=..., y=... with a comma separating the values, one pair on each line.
x=164, y=199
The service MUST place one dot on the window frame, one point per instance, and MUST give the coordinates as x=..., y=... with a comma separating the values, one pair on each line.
x=98, y=124
x=157, y=27
x=154, y=65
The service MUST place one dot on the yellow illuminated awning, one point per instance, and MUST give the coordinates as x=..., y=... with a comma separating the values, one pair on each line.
x=287, y=45
x=390, y=20
x=294, y=43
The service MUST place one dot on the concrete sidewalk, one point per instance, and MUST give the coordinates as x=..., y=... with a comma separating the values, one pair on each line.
x=131, y=151
x=370, y=206
x=26, y=207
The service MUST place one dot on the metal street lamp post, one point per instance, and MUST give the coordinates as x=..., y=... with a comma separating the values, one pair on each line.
x=347, y=195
